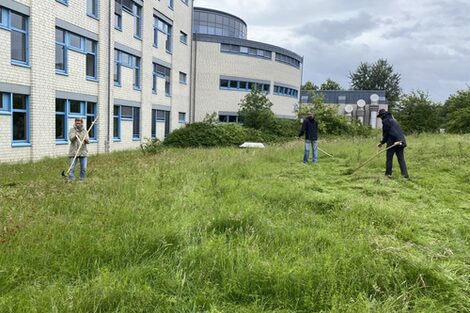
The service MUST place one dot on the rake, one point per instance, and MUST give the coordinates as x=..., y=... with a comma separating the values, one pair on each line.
x=352, y=171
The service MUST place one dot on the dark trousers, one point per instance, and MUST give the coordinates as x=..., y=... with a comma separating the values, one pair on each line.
x=400, y=152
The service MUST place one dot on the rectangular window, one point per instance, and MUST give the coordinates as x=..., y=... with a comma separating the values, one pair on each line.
x=137, y=12
x=75, y=41
x=3, y=20
x=171, y=4
x=60, y=119
x=76, y=108
x=66, y=2
x=182, y=117
x=92, y=8
x=19, y=38
x=154, y=124
x=90, y=117
x=161, y=71
x=20, y=119
x=167, y=29
x=183, y=78
x=117, y=123
x=183, y=38
x=160, y=115
x=117, y=68
x=60, y=51
x=285, y=91
x=91, y=60
x=124, y=59
x=117, y=21
x=137, y=73
x=126, y=112
x=136, y=124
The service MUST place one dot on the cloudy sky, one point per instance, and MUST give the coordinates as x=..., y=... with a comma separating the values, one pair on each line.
x=427, y=41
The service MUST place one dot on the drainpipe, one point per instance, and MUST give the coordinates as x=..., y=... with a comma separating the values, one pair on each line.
x=108, y=130
x=192, y=85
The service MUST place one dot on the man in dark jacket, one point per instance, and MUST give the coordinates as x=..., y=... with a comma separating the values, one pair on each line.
x=393, y=136
x=310, y=129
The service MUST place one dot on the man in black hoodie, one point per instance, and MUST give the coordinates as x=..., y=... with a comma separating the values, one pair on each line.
x=393, y=136
x=310, y=129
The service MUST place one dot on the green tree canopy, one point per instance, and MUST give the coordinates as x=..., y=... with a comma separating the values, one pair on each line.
x=310, y=86
x=377, y=76
x=255, y=111
x=330, y=84
x=457, y=112
x=417, y=113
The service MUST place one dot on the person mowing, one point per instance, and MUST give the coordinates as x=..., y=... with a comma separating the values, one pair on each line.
x=393, y=136
x=310, y=129
x=77, y=135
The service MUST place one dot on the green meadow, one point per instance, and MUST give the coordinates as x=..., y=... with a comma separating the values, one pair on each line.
x=231, y=230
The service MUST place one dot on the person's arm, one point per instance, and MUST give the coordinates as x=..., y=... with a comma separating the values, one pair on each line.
x=384, y=134
x=302, y=130
x=73, y=135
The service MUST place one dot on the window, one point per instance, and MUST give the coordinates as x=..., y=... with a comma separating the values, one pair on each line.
x=64, y=41
x=183, y=38
x=244, y=85
x=126, y=112
x=260, y=53
x=5, y=102
x=19, y=38
x=285, y=91
x=136, y=123
x=92, y=8
x=185, y=1
x=90, y=117
x=160, y=115
x=61, y=119
x=66, y=2
x=183, y=78
x=160, y=71
x=76, y=42
x=127, y=60
x=228, y=118
x=60, y=51
x=76, y=108
x=171, y=4
x=118, y=14
x=182, y=117
x=20, y=119
x=288, y=60
x=165, y=28
x=91, y=60
x=117, y=122
x=3, y=19
x=154, y=124
x=137, y=12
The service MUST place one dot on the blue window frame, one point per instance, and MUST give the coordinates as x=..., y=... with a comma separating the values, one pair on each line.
x=60, y=51
x=171, y=4
x=241, y=85
x=185, y=1
x=137, y=12
x=285, y=91
x=182, y=117
x=92, y=8
x=5, y=103
x=183, y=78
x=253, y=52
x=183, y=38
x=117, y=123
x=165, y=28
x=136, y=123
x=20, y=119
x=287, y=60
x=3, y=17
x=65, y=41
x=160, y=71
x=127, y=60
x=154, y=124
x=61, y=120
x=90, y=117
x=65, y=2
x=19, y=32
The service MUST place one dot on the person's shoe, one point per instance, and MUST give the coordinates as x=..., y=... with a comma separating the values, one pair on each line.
x=406, y=177
x=388, y=176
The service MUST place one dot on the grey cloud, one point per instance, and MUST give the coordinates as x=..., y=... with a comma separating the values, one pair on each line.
x=340, y=30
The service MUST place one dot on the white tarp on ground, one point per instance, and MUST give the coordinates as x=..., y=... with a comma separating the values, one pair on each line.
x=253, y=145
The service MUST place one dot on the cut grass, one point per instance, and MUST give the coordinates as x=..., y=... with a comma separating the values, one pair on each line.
x=228, y=230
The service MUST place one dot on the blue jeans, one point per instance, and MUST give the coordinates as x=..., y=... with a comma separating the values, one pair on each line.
x=83, y=166
x=314, y=145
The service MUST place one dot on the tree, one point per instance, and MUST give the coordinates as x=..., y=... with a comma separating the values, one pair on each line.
x=310, y=86
x=330, y=85
x=255, y=111
x=417, y=113
x=456, y=112
x=377, y=76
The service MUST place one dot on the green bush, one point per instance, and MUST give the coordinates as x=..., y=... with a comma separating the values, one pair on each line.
x=212, y=135
x=152, y=146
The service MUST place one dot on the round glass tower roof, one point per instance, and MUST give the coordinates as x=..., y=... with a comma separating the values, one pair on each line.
x=213, y=22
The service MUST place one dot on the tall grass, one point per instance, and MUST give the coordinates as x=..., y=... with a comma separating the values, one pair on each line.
x=227, y=230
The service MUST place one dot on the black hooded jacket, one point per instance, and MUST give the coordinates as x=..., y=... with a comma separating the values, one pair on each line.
x=392, y=131
x=309, y=128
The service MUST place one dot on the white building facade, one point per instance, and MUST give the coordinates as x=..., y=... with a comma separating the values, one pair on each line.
x=124, y=61
x=133, y=64
x=226, y=66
